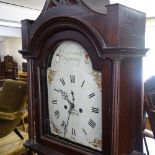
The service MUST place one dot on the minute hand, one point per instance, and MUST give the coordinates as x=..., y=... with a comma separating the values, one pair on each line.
x=72, y=93
x=71, y=104
x=71, y=108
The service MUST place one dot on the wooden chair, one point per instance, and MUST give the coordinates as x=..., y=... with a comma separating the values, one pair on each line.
x=12, y=101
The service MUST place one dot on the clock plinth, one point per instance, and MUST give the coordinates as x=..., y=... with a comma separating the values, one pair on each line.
x=85, y=79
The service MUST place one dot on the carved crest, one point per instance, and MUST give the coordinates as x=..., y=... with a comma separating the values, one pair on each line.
x=53, y=3
x=56, y=2
x=59, y=2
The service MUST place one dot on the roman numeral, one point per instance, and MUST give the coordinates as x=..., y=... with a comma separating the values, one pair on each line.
x=57, y=114
x=82, y=83
x=72, y=77
x=63, y=124
x=54, y=102
x=84, y=131
x=95, y=110
x=73, y=138
x=62, y=81
x=92, y=123
x=73, y=132
x=91, y=95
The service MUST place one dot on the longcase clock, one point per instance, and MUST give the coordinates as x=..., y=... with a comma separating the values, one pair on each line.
x=85, y=78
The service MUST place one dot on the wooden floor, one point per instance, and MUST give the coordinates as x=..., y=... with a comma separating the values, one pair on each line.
x=12, y=144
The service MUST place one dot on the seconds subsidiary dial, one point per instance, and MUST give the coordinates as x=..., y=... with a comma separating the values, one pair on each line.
x=74, y=96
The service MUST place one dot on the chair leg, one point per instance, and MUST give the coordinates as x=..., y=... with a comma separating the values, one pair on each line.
x=23, y=123
x=18, y=133
x=146, y=146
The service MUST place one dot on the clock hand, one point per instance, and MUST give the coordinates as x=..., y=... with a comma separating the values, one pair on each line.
x=71, y=104
x=70, y=111
x=74, y=111
x=72, y=93
x=64, y=94
x=65, y=128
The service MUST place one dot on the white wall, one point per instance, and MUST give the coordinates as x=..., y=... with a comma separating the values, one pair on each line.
x=10, y=35
x=149, y=60
x=16, y=13
x=10, y=46
x=6, y=31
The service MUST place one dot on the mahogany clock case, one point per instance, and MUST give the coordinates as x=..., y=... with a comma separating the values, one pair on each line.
x=113, y=50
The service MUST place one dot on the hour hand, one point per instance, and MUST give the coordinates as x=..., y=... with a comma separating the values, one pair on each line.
x=65, y=97
x=71, y=104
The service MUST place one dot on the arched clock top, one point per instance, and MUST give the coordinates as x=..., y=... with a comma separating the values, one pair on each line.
x=67, y=17
x=57, y=20
x=52, y=32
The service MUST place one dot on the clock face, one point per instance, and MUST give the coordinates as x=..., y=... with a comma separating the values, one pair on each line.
x=74, y=96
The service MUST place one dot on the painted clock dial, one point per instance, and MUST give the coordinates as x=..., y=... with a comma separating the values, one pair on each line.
x=74, y=96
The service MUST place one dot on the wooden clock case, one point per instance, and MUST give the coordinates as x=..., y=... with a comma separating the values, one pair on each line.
x=115, y=44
